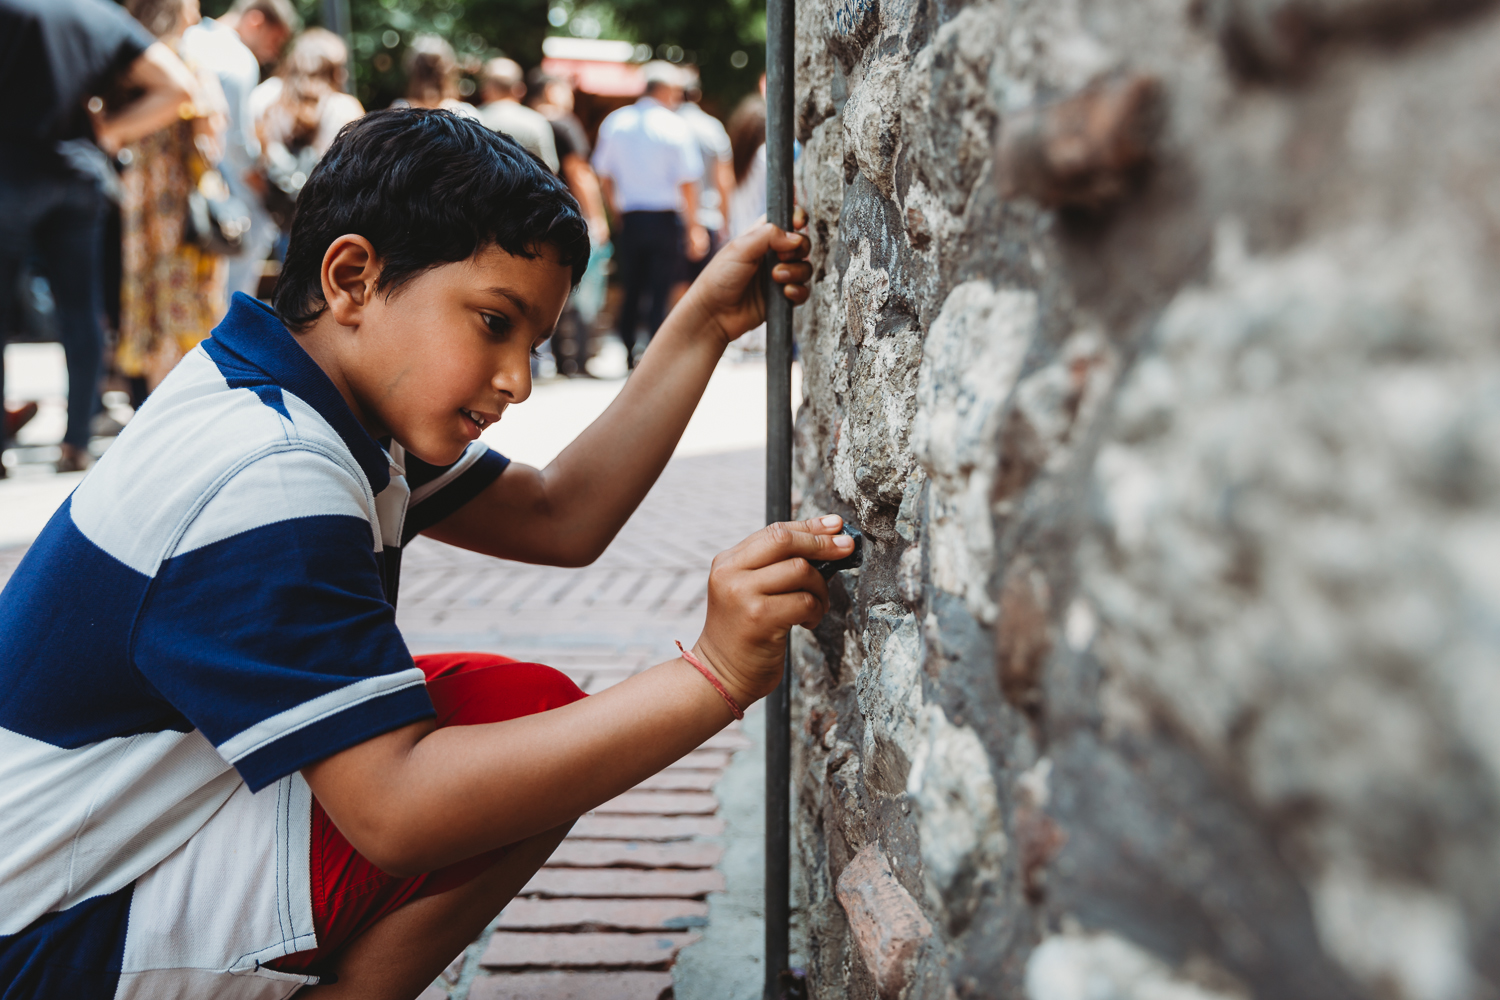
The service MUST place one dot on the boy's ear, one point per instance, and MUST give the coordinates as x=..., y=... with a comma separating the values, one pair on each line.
x=350, y=272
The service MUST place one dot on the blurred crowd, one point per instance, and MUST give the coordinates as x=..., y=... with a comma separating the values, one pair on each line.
x=157, y=169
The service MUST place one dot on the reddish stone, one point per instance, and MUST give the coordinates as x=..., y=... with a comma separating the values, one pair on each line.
x=886, y=922
x=508, y=950
x=1023, y=638
x=1085, y=150
x=603, y=914
x=620, y=882
x=1041, y=840
x=662, y=804
x=573, y=853
x=615, y=827
x=680, y=780
x=571, y=986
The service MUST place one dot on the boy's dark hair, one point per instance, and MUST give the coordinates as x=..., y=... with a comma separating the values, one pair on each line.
x=425, y=188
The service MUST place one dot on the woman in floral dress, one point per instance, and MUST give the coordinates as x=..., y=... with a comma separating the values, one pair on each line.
x=172, y=292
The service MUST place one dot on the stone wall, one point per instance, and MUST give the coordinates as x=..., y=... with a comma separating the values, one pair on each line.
x=1155, y=347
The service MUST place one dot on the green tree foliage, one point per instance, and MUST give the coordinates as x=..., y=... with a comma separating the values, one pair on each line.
x=725, y=37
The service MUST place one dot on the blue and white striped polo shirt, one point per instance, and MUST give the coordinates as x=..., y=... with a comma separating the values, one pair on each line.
x=211, y=610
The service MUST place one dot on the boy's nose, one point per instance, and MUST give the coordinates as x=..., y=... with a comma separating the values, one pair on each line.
x=515, y=386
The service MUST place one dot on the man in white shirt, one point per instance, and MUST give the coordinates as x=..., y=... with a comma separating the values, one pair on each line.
x=718, y=170
x=501, y=90
x=649, y=167
x=235, y=46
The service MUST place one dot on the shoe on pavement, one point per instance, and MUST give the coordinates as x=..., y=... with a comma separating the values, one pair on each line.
x=105, y=425
x=18, y=418
x=74, y=459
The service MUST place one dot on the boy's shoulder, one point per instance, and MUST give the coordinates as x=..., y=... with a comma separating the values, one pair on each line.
x=245, y=431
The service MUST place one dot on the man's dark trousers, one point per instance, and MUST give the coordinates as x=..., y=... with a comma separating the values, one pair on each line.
x=648, y=251
x=60, y=218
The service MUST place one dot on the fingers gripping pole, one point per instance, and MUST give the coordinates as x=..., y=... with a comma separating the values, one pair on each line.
x=779, y=86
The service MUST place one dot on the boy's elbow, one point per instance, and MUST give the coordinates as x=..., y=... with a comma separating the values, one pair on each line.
x=395, y=847
x=396, y=855
x=577, y=557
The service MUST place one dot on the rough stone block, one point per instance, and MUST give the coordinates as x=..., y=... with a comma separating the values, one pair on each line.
x=1085, y=151
x=887, y=924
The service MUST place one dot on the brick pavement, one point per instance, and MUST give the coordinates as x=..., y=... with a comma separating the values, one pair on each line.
x=624, y=893
x=626, y=890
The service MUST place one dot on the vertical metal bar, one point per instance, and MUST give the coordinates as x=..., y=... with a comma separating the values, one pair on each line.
x=779, y=195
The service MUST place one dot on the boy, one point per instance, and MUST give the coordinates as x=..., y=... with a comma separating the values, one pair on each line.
x=221, y=772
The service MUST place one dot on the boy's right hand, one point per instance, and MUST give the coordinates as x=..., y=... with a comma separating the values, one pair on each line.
x=756, y=592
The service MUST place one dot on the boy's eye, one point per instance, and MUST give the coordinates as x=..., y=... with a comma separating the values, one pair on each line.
x=536, y=350
x=498, y=325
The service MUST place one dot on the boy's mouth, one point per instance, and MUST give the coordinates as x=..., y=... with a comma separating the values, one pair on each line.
x=481, y=420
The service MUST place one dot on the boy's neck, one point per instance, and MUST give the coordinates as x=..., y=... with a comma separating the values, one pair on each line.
x=326, y=342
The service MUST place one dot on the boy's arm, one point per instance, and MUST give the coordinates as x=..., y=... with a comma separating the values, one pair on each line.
x=565, y=514
x=421, y=797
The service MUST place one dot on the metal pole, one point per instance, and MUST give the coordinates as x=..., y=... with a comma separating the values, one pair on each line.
x=779, y=195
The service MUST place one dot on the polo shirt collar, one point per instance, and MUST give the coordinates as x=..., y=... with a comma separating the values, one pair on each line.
x=253, y=332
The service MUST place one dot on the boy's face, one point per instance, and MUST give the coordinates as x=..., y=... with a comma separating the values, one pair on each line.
x=441, y=359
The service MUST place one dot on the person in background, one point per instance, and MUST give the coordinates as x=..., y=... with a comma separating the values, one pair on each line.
x=649, y=167
x=718, y=174
x=306, y=100
x=235, y=46
x=298, y=113
x=432, y=77
x=552, y=97
x=172, y=291
x=747, y=143
x=52, y=130
x=501, y=90
x=747, y=200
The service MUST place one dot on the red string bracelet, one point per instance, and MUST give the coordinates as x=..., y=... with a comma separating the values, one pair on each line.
x=733, y=706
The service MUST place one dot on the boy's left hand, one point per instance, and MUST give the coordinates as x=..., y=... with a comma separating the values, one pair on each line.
x=729, y=291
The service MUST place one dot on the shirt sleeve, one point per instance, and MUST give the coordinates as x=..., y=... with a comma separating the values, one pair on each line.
x=439, y=490
x=578, y=137
x=719, y=141
x=548, y=145
x=603, y=154
x=114, y=41
x=690, y=158
x=267, y=626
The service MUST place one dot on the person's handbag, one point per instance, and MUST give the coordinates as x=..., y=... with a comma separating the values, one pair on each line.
x=216, y=220
x=285, y=172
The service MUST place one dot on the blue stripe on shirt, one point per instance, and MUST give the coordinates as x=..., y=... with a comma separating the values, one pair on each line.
x=240, y=630
x=66, y=617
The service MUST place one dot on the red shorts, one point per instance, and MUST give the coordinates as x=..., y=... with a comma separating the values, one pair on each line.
x=349, y=894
